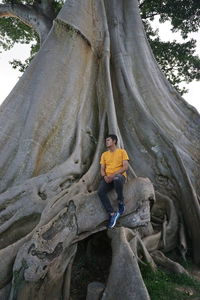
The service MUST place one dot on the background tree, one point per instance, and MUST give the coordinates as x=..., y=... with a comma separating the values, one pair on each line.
x=177, y=60
x=95, y=73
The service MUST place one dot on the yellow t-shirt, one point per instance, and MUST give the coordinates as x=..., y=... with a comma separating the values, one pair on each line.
x=113, y=161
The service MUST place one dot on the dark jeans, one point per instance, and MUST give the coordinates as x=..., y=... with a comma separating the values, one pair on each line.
x=105, y=187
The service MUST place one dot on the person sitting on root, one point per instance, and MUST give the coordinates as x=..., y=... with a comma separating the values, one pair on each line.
x=114, y=164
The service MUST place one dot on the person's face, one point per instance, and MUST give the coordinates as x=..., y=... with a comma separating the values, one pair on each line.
x=109, y=142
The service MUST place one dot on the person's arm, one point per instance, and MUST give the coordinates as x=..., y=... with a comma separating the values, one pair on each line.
x=123, y=169
x=120, y=171
x=103, y=174
x=103, y=168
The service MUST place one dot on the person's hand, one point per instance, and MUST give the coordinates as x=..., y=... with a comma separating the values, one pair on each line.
x=108, y=179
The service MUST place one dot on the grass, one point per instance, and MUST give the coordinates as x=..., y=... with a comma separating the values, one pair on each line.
x=169, y=286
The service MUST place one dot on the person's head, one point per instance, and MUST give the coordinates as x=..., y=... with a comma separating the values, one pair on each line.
x=111, y=140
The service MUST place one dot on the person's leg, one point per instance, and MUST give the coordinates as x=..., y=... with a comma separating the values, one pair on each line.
x=103, y=189
x=119, y=181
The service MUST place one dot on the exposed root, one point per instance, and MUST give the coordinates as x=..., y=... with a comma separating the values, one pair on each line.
x=124, y=271
x=41, y=257
x=167, y=263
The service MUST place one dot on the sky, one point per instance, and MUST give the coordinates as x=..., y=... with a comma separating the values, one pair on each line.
x=9, y=76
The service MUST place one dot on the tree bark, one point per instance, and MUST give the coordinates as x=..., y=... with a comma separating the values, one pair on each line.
x=44, y=256
x=125, y=280
x=94, y=74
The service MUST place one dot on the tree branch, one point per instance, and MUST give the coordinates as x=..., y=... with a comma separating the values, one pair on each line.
x=150, y=15
x=28, y=15
x=46, y=6
x=141, y=4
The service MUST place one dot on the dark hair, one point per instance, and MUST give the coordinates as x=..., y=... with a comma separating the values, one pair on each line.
x=113, y=137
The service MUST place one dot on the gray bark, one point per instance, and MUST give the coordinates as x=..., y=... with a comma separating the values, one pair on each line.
x=44, y=256
x=94, y=74
x=125, y=280
x=95, y=291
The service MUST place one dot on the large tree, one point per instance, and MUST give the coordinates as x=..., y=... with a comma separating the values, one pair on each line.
x=95, y=73
x=30, y=20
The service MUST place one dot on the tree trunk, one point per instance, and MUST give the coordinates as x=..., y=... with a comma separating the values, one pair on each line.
x=94, y=74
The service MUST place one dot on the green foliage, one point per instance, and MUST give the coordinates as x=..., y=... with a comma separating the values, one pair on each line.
x=18, y=64
x=167, y=286
x=12, y=31
x=184, y=15
x=177, y=60
x=57, y=5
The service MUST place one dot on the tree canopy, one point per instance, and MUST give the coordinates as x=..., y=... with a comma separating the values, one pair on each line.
x=34, y=18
